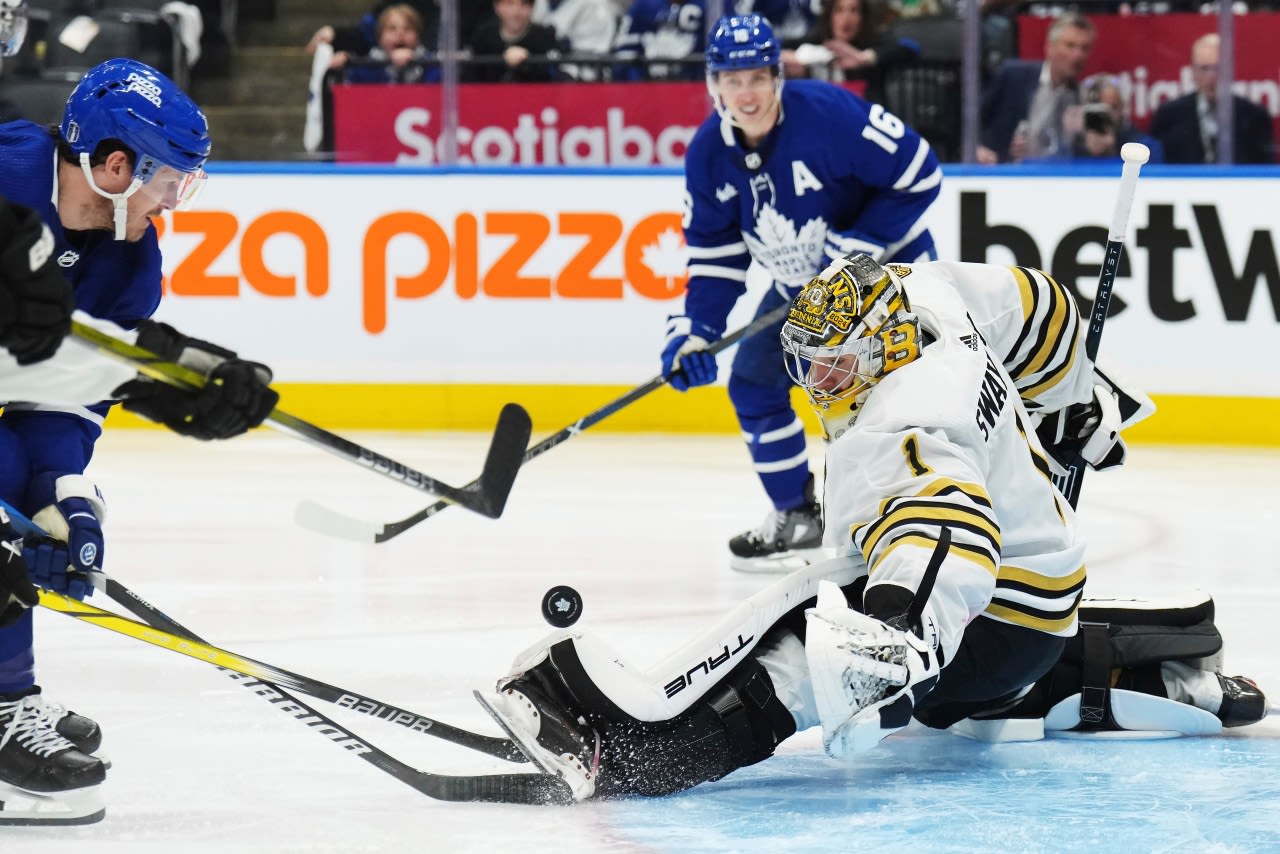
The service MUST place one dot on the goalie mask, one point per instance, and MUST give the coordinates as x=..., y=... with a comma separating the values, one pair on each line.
x=845, y=330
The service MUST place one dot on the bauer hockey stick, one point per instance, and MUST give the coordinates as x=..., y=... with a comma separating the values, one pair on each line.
x=1134, y=154
x=326, y=521
x=487, y=495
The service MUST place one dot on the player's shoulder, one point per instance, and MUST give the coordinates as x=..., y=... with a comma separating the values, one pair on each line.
x=816, y=96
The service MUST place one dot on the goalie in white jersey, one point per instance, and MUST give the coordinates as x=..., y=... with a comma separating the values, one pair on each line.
x=961, y=571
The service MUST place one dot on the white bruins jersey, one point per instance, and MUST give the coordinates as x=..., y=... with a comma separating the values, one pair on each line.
x=947, y=441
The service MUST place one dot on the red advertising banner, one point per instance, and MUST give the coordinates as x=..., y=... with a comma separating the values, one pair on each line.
x=547, y=124
x=1150, y=56
x=566, y=124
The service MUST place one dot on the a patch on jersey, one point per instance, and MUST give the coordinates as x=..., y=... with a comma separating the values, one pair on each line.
x=803, y=178
x=68, y=258
x=970, y=341
x=725, y=193
x=900, y=270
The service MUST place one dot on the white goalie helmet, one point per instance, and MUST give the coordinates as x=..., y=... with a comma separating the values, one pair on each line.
x=846, y=329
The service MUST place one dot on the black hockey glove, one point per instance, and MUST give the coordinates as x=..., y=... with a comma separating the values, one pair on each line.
x=17, y=593
x=1090, y=429
x=236, y=397
x=36, y=300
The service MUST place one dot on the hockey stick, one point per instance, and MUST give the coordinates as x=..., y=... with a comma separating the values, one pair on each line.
x=320, y=518
x=486, y=495
x=1134, y=154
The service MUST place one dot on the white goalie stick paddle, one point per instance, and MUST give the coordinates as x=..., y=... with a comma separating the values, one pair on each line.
x=325, y=521
x=1134, y=154
x=486, y=495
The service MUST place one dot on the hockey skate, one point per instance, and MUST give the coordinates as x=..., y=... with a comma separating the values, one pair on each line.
x=552, y=736
x=787, y=540
x=44, y=777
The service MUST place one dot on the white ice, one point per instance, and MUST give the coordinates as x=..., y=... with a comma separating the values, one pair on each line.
x=638, y=524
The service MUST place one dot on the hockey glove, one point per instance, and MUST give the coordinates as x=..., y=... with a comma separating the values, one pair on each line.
x=72, y=516
x=17, y=593
x=1092, y=429
x=867, y=675
x=685, y=360
x=236, y=397
x=36, y=300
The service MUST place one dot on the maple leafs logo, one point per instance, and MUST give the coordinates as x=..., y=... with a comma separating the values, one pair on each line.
x=666, y=259
x=792, y=257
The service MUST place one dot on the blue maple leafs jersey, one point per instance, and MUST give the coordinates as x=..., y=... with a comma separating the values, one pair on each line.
x=675, y=29
x=836, y=175
x=114, y=280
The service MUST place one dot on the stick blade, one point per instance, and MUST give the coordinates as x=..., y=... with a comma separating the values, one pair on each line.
x=331, y=523
x=506, y=455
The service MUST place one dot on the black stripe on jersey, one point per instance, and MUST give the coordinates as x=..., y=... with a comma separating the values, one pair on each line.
x=901, y=517
x=976, y=553
x=1038, y=613
x=1037, y=590
x=976, y=498
x=1041, y=464
x=1060, y=303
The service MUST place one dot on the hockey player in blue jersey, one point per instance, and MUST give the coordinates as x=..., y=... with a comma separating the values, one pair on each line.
x=131, y=145
x=791, y=178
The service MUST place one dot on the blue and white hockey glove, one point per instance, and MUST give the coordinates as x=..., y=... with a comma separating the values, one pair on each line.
x=684, y=353
x=840, y=244
x=72, y=518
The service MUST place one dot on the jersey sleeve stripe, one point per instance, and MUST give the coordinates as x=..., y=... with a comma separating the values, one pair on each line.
x=1016, y=578
x=926, y=184
x=723, y=251
x=1055, y=623
x=964, y=551
x=709, y=271
x=908, y=176
x=914, y=515
x=1049, y=330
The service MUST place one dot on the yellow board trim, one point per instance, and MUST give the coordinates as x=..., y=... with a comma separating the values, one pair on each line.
x=1179, y=419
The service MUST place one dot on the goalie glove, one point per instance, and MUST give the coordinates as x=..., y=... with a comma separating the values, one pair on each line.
x=867, y=675
x=685, y=360
x=1092, y=429
x=236, y=397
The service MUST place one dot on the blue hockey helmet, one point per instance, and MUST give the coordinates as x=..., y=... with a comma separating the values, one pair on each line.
x=742, y=41
x=129, y=101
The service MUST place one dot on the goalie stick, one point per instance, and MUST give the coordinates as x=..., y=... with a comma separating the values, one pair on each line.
x=1134, y=154
x=487, y=495
x=319, y=518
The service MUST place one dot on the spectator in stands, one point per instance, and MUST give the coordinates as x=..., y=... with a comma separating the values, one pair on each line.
x=1187, y=127
x=1032, y=109
x=357, y=39
x=515, y=38
x=1106, y=125
x=397, y=57
x=661, y=31
x=583, y=27
x=848, y=44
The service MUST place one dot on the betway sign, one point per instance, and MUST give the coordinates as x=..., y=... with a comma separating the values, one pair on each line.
x=567, y=124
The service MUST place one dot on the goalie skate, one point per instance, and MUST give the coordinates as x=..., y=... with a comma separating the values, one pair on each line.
x=560, y=744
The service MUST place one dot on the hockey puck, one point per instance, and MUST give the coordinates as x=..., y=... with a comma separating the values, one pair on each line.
x=561, y=606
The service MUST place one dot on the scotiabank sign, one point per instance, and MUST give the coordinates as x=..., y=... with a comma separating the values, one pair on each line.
x=570, y=124
x=1150, y=56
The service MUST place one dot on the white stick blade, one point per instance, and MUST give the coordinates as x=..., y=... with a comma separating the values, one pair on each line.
x=331, y=523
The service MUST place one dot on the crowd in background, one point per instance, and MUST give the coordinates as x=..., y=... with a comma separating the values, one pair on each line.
x=1034, y=110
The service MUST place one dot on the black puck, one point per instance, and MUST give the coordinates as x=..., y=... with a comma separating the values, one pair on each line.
x=561, y=606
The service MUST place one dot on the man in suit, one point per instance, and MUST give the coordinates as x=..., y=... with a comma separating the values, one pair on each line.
x=1187, y=127
x=1045, y=95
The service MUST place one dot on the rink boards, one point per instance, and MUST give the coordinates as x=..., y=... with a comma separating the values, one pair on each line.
x=425, y=298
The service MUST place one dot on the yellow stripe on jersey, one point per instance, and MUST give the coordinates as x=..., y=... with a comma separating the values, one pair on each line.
x=1040, y=291
x=964, y=551
x=911, y=513
x=1039, y=584
x=975, y=492
x=1053, y=624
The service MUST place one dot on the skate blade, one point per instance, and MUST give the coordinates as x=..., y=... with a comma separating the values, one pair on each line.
x=18, y=807
x=490, y=703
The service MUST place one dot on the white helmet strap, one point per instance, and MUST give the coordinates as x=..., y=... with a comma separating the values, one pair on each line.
x=119, y=201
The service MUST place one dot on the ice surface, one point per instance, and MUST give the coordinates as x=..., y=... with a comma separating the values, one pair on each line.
x=638, y=525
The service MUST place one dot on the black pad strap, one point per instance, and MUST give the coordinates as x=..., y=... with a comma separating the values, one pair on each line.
x=1095, y=677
